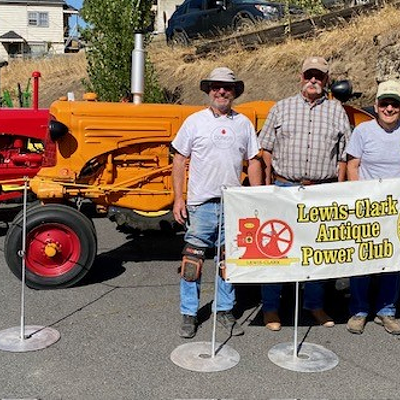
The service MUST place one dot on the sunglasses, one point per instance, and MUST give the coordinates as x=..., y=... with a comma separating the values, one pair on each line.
x=226, y=86
x=387, y=103
x=318, y=75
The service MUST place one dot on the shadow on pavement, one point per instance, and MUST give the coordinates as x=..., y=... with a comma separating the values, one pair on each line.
x=141, y=246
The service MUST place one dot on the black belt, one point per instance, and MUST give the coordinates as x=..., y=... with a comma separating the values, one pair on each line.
x=305, y=182
x=213, y=200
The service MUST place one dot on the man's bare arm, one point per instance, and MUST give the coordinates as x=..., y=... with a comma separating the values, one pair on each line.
x=178, y=182
x=342, y=171
x=353, y=165
x=254, y=171
x=267, y=157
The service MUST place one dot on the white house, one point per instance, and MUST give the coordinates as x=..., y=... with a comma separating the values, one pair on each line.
x=29, y=28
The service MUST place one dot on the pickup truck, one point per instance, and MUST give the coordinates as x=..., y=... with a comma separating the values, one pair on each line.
x=201, y=18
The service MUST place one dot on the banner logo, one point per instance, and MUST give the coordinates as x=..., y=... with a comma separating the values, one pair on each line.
x=273, y=239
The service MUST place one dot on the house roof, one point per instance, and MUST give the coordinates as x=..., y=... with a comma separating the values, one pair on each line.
x=67, y=9
x=11, y=37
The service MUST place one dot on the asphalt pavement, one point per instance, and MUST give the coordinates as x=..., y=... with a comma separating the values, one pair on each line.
x=118, y=330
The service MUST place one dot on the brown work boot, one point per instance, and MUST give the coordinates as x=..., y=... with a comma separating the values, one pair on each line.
x=272, y=321
x=356, y=324
x=390, y=324
x=322, y=318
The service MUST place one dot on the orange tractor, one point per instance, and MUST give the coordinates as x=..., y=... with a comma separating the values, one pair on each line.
x=115, y=155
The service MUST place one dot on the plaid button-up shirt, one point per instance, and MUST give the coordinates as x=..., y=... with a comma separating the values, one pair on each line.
x=306, y=140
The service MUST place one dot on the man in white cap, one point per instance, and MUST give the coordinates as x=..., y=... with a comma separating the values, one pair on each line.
x=303, y=138
x=216, y=141
x=374, y=153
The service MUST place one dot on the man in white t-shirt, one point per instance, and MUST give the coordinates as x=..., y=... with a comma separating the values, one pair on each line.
x=216, y=141
x=374, y=153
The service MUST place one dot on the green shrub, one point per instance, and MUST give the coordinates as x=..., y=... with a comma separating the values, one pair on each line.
x=110, y=31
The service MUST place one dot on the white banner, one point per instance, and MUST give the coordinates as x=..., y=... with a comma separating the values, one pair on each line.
x=275, y=234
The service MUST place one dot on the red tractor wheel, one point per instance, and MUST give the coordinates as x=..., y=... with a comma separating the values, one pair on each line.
x=274, y=238
x=61, y=246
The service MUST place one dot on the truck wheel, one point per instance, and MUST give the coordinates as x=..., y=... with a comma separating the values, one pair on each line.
x=61, y=246
x=244, y=24
x=180, y=39
x=354, y=3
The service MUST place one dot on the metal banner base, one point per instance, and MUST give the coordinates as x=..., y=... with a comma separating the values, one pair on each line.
x=36, y=338
x=197, y=356
x=310, y=357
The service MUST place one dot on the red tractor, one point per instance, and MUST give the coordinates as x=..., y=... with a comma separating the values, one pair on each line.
x=22, y=133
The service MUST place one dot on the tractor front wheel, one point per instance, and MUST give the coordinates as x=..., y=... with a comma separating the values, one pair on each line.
x=61, y=246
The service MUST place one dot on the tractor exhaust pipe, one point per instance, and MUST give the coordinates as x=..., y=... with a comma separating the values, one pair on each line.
x=137, y=77
x=36, y=75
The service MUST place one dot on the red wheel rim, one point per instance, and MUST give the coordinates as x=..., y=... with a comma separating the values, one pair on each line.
x=274, y=238
x=52, y=250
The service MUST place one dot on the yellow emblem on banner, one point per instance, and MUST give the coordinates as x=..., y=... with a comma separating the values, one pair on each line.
x=262, y=262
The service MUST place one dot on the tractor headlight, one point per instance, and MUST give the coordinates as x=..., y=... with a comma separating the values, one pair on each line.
x=57, y=130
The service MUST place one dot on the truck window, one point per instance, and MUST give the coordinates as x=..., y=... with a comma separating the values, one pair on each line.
x=211, y=4
x=195, y=5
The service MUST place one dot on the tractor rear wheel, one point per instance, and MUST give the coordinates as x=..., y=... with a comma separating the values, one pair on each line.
x=61, y=246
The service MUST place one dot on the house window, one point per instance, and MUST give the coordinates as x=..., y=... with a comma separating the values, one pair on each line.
x=38, y=19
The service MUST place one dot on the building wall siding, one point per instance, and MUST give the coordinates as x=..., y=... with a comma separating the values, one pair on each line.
x=15, y=18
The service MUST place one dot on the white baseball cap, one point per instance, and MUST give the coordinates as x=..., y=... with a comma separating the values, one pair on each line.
x=388, y=90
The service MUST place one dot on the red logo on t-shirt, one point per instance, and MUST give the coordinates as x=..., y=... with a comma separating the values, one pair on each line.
x=223, y=137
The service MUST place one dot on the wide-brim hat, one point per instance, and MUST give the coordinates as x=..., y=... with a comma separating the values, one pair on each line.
x=222, y=75
x=388, y=90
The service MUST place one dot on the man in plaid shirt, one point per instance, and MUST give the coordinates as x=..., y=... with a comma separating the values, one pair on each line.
x=303, y=139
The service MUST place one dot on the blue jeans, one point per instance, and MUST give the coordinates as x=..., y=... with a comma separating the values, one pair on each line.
x=388, y=294
x=313, y=291
x=313, y=296
x=202, y=231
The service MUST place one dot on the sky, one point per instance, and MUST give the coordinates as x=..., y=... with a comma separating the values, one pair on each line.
x=78, y=5
x=75, y=3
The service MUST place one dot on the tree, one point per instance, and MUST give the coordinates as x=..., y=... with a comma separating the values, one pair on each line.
x=111, y=25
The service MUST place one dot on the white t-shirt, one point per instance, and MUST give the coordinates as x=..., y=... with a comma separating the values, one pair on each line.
x=217, y=147
x=378, y=151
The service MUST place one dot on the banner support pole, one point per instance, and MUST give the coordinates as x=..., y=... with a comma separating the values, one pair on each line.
x=32, y=337
x=296, y=321
x=196, y=356
x=23, y=261
x=308, y=357
x=217, y=267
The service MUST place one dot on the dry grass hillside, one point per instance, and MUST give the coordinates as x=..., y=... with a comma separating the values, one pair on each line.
x=270, y=72
x=59, y=75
